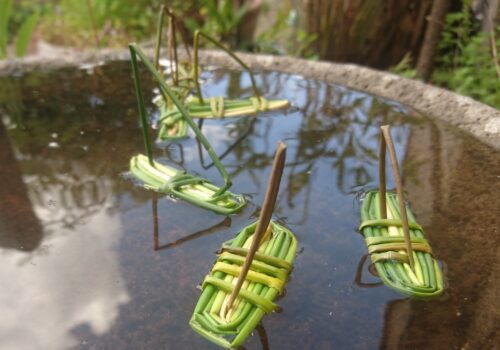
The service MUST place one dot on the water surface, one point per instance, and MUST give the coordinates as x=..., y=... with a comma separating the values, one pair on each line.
x=91, y=261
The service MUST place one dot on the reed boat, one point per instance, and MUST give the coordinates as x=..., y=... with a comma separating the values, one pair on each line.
x=266, y=279
x=194, y=189
x=184, y=77
x=387, y=248
x=397, y=246
x=165, y=179
x=250, y=272
x=173, y=126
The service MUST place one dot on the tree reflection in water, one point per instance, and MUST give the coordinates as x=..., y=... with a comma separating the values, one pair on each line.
x=19, y=226
x=52, y=164
x=51, y=123
x=336, y=126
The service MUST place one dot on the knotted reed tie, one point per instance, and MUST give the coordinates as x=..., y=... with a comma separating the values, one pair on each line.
x=260, y=104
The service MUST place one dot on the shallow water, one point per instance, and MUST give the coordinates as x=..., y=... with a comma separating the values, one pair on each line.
x=84, y=263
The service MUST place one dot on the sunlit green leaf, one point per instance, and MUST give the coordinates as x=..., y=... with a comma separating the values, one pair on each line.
x=5, y=13
x=24, y=34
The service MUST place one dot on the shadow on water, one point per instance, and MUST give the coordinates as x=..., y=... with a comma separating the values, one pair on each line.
x=225, y=223
x=75, y=236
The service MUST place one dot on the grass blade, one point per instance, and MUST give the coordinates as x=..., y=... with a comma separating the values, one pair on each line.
x=5, y=12
x=24, y=34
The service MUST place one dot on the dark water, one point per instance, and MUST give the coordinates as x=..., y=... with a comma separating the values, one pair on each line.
x=84, y=265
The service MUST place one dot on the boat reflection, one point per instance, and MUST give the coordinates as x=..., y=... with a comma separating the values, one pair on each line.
x=225, y=223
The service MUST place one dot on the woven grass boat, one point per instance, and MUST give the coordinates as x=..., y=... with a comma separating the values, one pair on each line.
x=174, y=127
x=197, y=190
x=166, y=179
x=185, y=77
x=249, y=273
x=396, y=243
x=386, y=245
x=265, y=281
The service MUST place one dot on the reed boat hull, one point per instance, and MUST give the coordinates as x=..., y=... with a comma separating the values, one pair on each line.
x=385, y=241
x=196, y=190
x=173, y=126
x=265, y=281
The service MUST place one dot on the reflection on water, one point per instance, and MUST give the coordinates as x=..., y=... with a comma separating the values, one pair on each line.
x=96, y=262
x=225, y=223
x=15, y=203
x=69, y=281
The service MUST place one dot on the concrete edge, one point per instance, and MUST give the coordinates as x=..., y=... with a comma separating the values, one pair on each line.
x=466, y=113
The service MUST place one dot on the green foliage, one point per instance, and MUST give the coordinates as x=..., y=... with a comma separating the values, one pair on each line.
x=117, y=21
x=24, y=34
x=466, y=63
x=9, y=19
x=220, y=19
x=285, y=37
x=405, y=68
x=5, y=13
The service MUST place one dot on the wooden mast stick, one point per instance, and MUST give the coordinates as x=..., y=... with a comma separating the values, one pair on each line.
x=381, y=177
x=265, y=217
x=387, y=139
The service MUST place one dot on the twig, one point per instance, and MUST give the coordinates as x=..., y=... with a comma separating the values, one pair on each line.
x=493, y=43
x=387, y=139
x=381, y=176
x=196, y=40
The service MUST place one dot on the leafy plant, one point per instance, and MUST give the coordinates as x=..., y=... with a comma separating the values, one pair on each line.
x=220, y=19
x=405, y=68
x=467, y=62
x=116, y=21
x=285, y=37
x=24, y=32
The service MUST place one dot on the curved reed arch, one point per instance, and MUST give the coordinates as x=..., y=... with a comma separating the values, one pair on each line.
x=197, y=35
x=135, y=52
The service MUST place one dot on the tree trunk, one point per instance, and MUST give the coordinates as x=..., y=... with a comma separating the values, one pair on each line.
x=247, y=26
x=435, y=27
x=486, y=11
x=369, y=32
